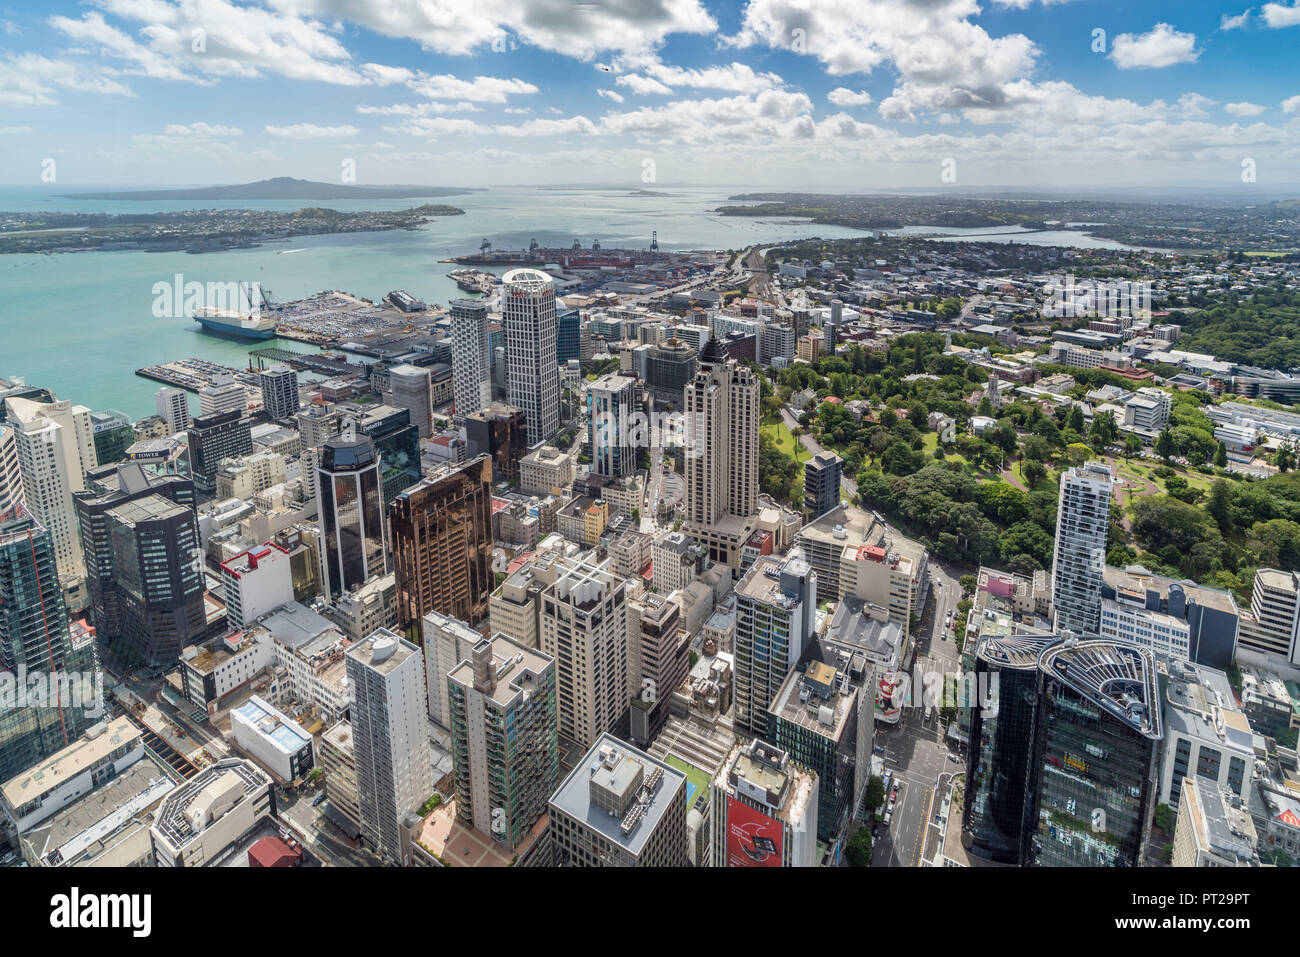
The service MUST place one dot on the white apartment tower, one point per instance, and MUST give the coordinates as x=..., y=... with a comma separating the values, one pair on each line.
x=1082, y=519
x=584, y=628
x=611, y=401
x=173, y=408
x=280, y=392
x=532, y=370
x=390, y=734
x=11, y=476
x=722, y=417
x=222, y=394
x=470, y=360
x=55, y=445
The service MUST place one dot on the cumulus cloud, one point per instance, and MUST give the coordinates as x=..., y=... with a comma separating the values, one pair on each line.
x=1244, y=109
x=310, y=131
x=1278, y=15
x=843, y=96
x=1162, y=46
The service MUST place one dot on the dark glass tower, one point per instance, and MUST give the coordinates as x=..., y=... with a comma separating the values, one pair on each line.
x=568, y=338
x=351, y=513
x=35, y=643
x=158, y=571
x=1097, y=740
x=997, y=818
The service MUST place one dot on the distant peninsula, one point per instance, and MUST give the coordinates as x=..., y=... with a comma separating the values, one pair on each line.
x=281, y=187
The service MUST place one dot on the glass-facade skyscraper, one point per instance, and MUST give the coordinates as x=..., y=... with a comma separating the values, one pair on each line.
x=351, y=514
x=39, y=716
x=999, y=800
x=1097, y=744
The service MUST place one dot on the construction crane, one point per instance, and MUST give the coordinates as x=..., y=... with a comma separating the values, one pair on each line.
x=654, y=240
x=576, y=245
x=532, y=247
x=595, y=245
x=485, y=247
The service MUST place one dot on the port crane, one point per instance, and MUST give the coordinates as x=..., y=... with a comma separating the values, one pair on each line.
x=485, y=247
x=654, y=240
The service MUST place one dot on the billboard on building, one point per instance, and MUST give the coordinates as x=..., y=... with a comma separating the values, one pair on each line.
x=753, y=838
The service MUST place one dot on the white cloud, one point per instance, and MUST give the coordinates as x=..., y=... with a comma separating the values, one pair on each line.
x=1291, y=104
x=463, y=26
x=1244, y=109
x=611, y=95
x=733, y=78
x=481, y=89
x=14, y=130
x=1278, y=15
x=643, y=85
x=33, y=80
x=843, y=96
x=1228, y=22
x=1163, y=46
x=310, y=131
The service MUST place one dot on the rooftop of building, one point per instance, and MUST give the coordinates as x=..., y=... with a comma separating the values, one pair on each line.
x=273, y=725
x=614, y=765
x=1222, y=826
x=1019, y=651
x=768, y=768
x=1201, y=705
x=1118, y=677
x=97, y=743
x=383, y=651
x=107, y=827
x=1136, y=580
x=516, y=671
x=458, y=846
x=295, y=625
x=763, y=581
x=339, y=736
x=173, y=821
x=816, y=697
x=851, y=625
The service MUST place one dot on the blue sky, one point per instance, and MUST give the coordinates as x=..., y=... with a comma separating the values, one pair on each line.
x=837, y=94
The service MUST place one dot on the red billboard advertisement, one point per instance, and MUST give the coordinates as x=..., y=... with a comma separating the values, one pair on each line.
x=753, y=838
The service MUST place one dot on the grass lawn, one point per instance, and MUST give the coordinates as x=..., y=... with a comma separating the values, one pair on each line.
x=784, y=439
x=693, y=774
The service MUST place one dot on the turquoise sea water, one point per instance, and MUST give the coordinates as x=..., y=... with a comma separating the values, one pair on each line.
x=81, y=323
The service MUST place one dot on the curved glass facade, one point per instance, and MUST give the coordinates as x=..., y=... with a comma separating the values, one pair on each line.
x=352, y=517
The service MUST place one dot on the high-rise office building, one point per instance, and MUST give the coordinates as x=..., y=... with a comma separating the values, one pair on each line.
x=776, y=613
x=471, y=363
x=1096, y=747
x=280, y=397
x=503, y=738
x=397, y=443
x=412, y=389
x=500, y=432
x=390, y=740
x=583, y=624
x=659, y=656
x=764, y=809
x=214, y=438
x=442, y=543
x=568, y=337
x=611, y=401
x=1273, y=623
x=722, y=414
x=223, y=393
x=158, y=571
x=447, y=642
x=108, y=487
x=821, y=483
x=316, y=423
x=112, y=434
x=35, y=643
x=11, y=475
x=173, y=408
x=532, y=372
x=353, y=531
x=1082, y=521
x=55, y=447
x=998, y=816
x=619, y=807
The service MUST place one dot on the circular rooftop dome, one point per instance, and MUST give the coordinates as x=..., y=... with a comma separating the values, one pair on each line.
x=531, y=280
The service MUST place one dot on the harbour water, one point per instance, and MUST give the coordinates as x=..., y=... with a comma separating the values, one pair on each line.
x=81, y=323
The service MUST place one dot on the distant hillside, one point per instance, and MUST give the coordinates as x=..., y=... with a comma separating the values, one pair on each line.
x=282, y=187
